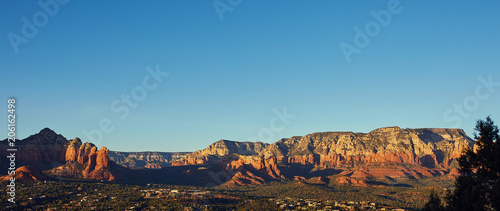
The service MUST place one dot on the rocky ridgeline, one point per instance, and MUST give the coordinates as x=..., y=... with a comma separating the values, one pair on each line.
x=429, y=147
x=221, y=148
x=382, y=152
x=342, y=157
x=154, y=160
x=56, y=156
x=43, y=150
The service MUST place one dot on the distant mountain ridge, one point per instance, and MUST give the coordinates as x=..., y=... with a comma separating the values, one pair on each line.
x=442, y=145
x=389, y=153
x=429, y=152
x=145, y=159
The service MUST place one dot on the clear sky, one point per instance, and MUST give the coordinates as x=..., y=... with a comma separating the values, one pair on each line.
x=227, y=76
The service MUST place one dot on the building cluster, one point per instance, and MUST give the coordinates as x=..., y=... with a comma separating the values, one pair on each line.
x=173, y=193
x=328, y=205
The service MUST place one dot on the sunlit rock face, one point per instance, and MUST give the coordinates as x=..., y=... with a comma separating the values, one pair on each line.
x=384, y=152
x=55, y=155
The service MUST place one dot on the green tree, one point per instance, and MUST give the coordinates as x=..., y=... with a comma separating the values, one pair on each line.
x=478, y=186
x=434, y=203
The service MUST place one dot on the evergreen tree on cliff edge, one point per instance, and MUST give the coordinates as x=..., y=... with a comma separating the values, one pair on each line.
x=478, y=186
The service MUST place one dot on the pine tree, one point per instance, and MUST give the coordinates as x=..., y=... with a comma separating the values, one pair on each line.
x=434, y=203
x=478, y=186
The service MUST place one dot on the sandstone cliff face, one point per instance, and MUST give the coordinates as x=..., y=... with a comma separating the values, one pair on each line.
x=250, y=170
x=84, y=152
x=56, y=156
x=152, y=166
x=212, y=153
x=225, y=147
x=95, y=162
x=98, y=165
x=430, y=147
x=380, y=153
x=72, y=150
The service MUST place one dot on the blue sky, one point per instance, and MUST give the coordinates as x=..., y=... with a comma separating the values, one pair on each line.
x=226, y=76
